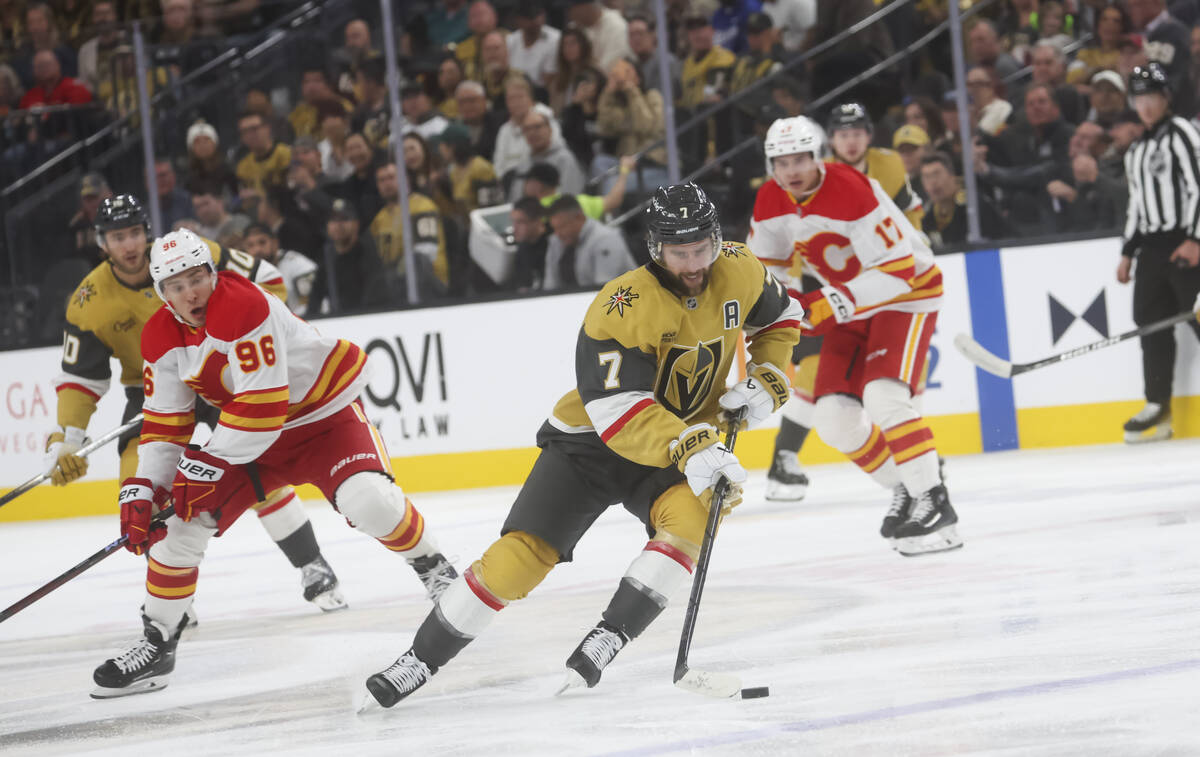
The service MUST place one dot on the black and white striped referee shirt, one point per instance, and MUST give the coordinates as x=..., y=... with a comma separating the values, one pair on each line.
x=1163, y=170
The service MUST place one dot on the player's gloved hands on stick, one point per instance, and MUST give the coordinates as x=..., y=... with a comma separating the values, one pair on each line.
x=704, y=460
x=824, y=308
x=202, y=483
x=762, y=392
x=63, y=465
x=137, y=500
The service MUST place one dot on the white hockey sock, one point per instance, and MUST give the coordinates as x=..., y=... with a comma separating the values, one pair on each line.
x=282, y=516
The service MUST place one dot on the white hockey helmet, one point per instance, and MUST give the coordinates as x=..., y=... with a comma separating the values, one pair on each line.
x=175, y=253
x=789, y=136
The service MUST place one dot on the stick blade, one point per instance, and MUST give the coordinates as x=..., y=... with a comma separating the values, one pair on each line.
x=977, y=354
x=716, y=685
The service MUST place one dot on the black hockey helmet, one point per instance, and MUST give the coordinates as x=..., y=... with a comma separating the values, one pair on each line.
x=119, y=212
x=679, y=214
x=1148, y=79
x=850, y=115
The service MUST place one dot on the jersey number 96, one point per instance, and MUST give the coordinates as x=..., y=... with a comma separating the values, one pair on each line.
x=248, y=353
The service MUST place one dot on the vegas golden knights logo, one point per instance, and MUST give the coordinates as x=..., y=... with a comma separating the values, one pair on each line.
x=687, y=376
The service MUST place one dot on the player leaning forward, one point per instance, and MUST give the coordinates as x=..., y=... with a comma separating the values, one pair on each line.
x=105, y=318
x=650, y=362
x=289, y=413
x=877, y=306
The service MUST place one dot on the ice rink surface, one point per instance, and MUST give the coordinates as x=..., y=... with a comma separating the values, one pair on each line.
x=1068, y=625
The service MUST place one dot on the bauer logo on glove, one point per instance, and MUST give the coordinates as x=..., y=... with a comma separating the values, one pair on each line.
x=198, y=471
x=201, y=484
x=762, y=392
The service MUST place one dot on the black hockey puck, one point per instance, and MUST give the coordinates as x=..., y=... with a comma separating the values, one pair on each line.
x=755, y=693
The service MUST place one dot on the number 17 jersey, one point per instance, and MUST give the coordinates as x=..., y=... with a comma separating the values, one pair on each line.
x=851, y=236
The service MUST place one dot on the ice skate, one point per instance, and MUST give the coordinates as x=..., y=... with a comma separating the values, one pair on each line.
x=435, y=572
x=401, y=678
x=593, y=654
x=321, y=586
x=931, y=527
x=898, y=513
x=786, y=481
x=145, y=666
x=1151, y=424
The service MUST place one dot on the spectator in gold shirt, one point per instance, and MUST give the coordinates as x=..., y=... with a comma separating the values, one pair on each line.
x=266, y=161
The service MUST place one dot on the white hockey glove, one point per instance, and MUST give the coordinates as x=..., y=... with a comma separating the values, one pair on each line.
x=60, y=461
x=762, y=392
x=704, y=460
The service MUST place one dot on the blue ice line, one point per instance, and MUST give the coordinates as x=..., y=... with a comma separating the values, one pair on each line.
x=989, y=326
x=917, y=708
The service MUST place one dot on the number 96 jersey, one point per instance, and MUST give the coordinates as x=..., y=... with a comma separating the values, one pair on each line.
x=851, y=236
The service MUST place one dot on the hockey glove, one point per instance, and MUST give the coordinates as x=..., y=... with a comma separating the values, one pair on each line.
x=762, y=392
x=704, y=460
x=203, y=483
x=824, y=308
x=137, y=500
x=62, y=464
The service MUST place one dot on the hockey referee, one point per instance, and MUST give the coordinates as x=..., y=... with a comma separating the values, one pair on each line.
x=1162, y=229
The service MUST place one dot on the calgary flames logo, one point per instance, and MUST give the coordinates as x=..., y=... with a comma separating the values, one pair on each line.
x=213, y=373
x=830, y=256
x=688, y=375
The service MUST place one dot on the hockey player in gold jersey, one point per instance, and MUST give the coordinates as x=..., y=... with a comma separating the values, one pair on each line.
x=105, y=316
x=850, y=132
x=640, y=428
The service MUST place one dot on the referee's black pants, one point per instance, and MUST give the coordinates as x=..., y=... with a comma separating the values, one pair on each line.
x=1160, y=290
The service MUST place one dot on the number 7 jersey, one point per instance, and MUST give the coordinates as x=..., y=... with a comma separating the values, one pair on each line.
x=849, y=235
x=266, y=370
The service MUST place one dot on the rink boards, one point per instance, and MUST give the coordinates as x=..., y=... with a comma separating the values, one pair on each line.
x=459, y=392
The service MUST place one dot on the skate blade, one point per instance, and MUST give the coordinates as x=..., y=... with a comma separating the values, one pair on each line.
x=1157, y=433
x=145, y=686
x=330, y=601
x=942, y=540
x=716, y=685
x=785, y=492
x=368, y=704
x=572, y=681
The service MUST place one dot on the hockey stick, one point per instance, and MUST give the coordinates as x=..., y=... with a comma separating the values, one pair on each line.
x=721, y=685
x=12, y=610
x=84, y=451
x=998, y=366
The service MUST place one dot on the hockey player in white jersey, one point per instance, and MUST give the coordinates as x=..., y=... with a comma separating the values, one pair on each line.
x=298, y=271
x=290, y=413
x=876, y=309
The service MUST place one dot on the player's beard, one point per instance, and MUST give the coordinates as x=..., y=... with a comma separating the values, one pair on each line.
x=691, y=290
x=141, y=268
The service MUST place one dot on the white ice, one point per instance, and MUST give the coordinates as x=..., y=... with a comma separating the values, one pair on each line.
x=1068, y=625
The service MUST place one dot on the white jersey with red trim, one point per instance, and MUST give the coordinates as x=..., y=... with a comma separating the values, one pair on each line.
x=266, y=370
x=849, y=235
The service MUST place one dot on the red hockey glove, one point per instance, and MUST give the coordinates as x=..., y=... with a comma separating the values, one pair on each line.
x=137, y=499
x=203, y=483
x=824, y=308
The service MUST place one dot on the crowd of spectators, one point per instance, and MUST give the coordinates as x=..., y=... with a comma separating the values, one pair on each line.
x=67, y=66
x=555, y=113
